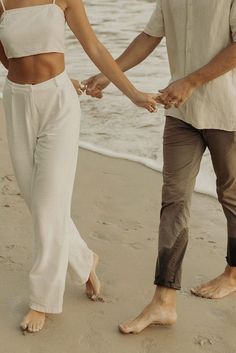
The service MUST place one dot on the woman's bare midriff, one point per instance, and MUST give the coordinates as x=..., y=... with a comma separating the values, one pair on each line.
x=35, y=68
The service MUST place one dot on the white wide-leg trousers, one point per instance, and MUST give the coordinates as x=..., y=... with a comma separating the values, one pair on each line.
x=43, y=122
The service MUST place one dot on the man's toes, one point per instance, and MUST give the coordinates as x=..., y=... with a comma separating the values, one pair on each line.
x=198, y=291
x=124, y=328
x=195, y=290
x=129, y=327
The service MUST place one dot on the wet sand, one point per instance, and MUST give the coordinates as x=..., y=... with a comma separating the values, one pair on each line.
x=117, y=204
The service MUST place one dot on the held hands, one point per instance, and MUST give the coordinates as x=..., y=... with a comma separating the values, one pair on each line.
x=96, y=84
x=175, y=94
x=79, y=87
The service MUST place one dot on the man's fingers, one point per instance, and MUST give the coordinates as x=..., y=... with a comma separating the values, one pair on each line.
x=94, y=93
x=86, y=82
x=158, y=99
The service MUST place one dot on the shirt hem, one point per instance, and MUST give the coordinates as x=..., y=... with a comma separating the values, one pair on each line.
x=200, y=126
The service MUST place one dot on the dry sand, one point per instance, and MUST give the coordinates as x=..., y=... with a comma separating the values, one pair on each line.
x=116, y=204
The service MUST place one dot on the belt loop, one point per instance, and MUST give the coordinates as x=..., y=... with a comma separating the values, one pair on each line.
x=57, y=81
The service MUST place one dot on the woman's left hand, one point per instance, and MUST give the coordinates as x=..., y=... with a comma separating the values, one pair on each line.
x=147, y=101
x=79, y=87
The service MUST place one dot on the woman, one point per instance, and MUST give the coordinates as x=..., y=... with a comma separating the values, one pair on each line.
x=43, y=118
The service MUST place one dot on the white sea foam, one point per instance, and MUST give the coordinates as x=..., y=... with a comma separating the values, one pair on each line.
x=205, y=181
x=114, y=126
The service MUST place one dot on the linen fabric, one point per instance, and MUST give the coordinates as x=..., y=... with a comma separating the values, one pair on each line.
x=43, y=124
x=196, y=31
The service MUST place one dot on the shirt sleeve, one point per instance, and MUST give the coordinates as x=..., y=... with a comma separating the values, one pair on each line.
x=233, y=20
x=155, y=26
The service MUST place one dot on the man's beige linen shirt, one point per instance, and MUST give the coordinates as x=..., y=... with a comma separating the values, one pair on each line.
x=196, y=31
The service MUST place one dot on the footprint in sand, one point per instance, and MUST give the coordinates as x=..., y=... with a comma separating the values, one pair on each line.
x=225, y=315
x=100, y=236
x=93, y=340
x=11, y=255
x=135, y=246
x=203, y=340
x=149, y=346
x=8, y=185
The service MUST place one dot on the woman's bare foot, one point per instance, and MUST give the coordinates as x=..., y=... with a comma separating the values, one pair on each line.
x=219, y=287
x=161, y=311
x=33, y=321
x=93, y=284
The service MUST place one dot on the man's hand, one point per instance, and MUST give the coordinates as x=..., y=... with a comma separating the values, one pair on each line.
x=79, y=87
x=177, y=93
x=95, y=85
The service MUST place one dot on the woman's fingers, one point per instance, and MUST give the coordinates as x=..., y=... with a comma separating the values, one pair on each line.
x=79, y=86
x=151, y=106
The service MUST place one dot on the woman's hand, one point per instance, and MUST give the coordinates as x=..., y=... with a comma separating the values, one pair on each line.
x=77, y=20
x=148, y=101
x=79, y=87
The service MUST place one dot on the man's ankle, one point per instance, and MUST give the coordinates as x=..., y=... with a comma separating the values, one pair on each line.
x=231, y=271
x=165, y=296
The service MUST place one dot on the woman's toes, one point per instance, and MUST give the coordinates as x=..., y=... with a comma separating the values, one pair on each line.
x=24, y=325
x=30, y=326
x=40, y=326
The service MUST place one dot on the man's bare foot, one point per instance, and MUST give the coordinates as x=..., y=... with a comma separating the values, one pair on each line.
x=161, y=311
x=93, y=284
x=33, y=321
x=219, y=287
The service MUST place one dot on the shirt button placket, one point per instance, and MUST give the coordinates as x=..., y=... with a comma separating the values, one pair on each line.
x=189, y=23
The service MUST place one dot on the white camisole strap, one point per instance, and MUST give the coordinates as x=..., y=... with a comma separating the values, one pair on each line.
x=3, y=6
x=54, y=1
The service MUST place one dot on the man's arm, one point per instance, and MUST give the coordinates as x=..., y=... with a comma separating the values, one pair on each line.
x=179, y=91
x=225, y=61
x=141, y=47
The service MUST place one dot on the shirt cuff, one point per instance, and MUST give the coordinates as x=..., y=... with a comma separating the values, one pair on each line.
x=157, y=32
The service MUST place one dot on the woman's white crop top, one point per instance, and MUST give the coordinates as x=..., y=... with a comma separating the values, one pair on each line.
x=32, y=30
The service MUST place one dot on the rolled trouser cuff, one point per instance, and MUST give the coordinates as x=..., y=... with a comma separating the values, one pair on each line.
x=167, y=284
x=231, y=251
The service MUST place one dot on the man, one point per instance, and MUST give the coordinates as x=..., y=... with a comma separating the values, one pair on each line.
x=200, y=107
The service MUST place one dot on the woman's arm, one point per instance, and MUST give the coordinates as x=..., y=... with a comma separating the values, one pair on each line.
x=3, y=57
x=139, y=49
x=78, y=22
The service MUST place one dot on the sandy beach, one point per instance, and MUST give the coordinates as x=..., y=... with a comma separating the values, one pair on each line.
x=116, y=204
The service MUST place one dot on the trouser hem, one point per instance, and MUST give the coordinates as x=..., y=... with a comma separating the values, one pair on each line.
x=74, y=275
x=230, y=263
x=168, y=284
x=45, y=309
